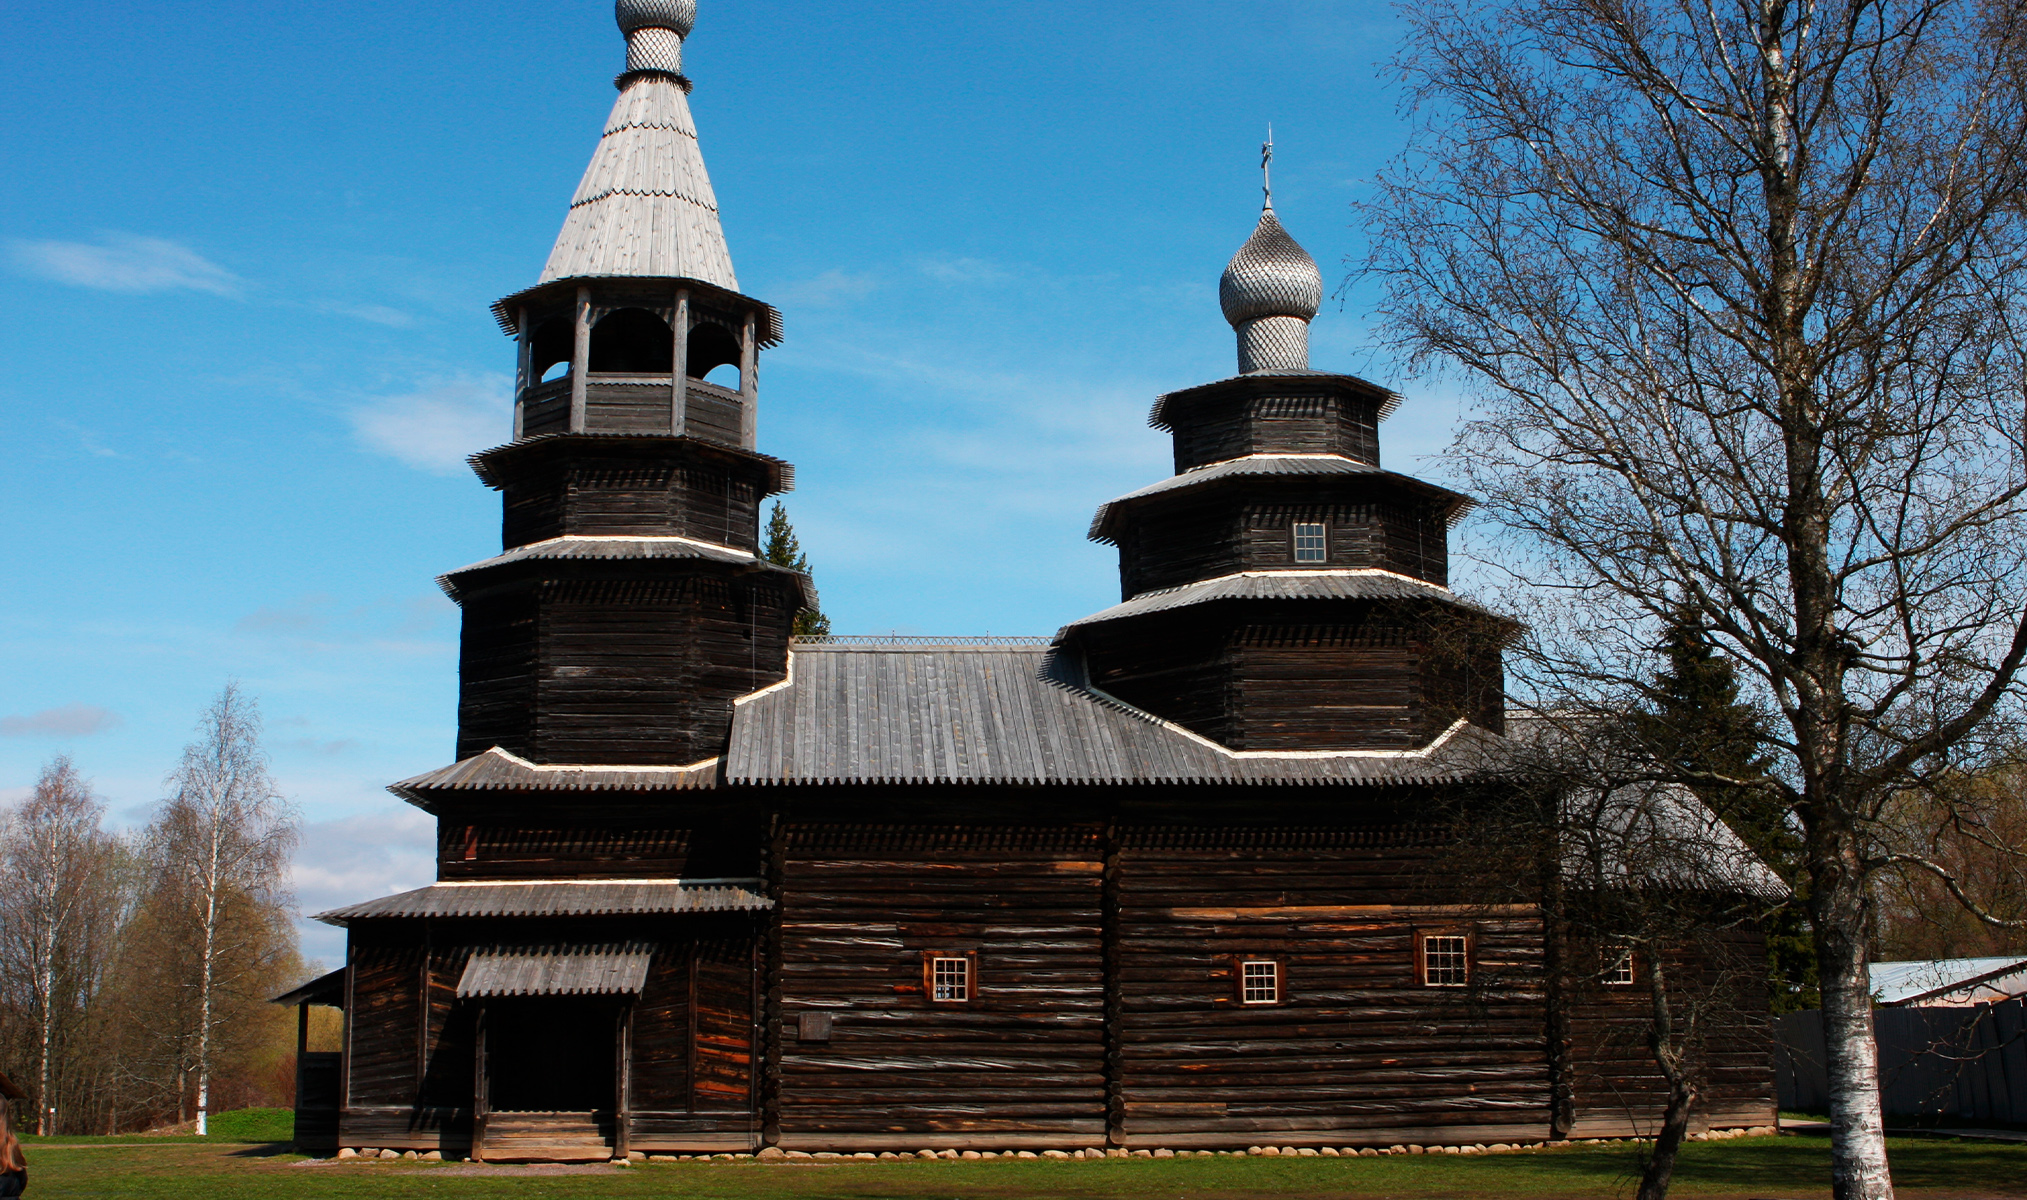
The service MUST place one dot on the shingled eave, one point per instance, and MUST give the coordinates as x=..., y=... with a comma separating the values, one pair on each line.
x=491, y=465
x=1267, y=383
x=581, y=548
x=498, y=770
x=1292, y=468
x=1328, y=584
x=507, y=310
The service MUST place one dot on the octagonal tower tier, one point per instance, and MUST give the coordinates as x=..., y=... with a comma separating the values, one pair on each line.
x=1282, y=591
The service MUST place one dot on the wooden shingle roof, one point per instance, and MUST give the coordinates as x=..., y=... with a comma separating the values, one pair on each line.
x=992, y=712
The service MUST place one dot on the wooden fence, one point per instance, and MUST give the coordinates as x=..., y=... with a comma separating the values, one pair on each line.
x=1967, y=1064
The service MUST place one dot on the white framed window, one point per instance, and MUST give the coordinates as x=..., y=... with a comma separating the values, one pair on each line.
x=1446, y=960
x=1259, y=981
x=1311, y=543
x=1618, y=970
x=950, y=979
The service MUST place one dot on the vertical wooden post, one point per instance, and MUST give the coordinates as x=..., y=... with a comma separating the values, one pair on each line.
x=623, y=1075
x=679, y=377
x=749, y=385
x=580, y=360
x=345, y=1060
x=302, y=1048
x=522, y=368
x=422, y=1019
x=690, y=1047
x=479, y=1085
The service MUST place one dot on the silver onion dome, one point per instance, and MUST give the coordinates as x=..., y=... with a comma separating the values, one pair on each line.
x=654, y=31
x=1269, y=292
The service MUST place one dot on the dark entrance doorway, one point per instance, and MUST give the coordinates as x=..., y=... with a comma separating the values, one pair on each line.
x=551, y=1053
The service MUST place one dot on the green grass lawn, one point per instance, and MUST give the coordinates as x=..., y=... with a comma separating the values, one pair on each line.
x=1791, y=1168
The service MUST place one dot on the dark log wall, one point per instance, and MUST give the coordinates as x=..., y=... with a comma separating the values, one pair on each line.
x=1021, y=1065
x=1303, y=687
x=545, y=408
x=1235, y=423
x=496, y=851
x=496, y=673
x=1358, y=1052
x=598, y=496
x=383, y=1021
x=624, y=672
x=1350, y=676
x=694, y=1029
x=1721, y=982
x=1248, y=525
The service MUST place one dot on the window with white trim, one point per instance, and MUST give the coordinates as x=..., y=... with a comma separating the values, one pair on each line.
x=1618, y=970
x=1446, y=960
x=1311, y=545
x=1259, y=981
x=950, y=980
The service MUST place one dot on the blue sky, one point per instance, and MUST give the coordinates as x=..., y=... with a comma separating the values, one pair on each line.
x=248, y=252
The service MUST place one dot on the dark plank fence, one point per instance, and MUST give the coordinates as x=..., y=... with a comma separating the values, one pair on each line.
x=1961, y=1063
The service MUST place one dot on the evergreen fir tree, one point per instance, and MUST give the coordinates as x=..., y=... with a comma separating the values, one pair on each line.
x=783, y=550
x=1697, y=725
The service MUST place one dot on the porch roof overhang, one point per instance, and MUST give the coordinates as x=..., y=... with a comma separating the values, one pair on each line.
x=602, y=970
x=324, y=989
x=561, y=898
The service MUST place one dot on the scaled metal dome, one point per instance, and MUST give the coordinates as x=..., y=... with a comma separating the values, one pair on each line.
x=1269, y=291
x=1270, y=276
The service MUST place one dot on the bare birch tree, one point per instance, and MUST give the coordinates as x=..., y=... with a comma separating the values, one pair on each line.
x=58, y=921
x=221, y=848
x=1736, y=285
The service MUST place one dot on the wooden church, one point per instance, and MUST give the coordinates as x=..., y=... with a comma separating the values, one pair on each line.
x=1160, y=881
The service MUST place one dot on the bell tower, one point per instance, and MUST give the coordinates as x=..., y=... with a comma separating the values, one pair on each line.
x=628, y=606
x=1281, y=591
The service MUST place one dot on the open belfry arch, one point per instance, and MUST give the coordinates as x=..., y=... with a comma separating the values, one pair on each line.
x=1162, y=880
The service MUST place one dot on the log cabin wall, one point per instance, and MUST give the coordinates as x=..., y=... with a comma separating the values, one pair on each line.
x=868, y=1059
x=1618, y=1090
x=512, y=836
x=619, y=670
x=497, y=668
x=694, y=1045
x=1317, y=676
x=1247, y=524
x=1274, y=415
x=610, y=488
x=1354, y=1050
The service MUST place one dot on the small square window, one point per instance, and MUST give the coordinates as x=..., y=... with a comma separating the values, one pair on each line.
x=1618, y=970
x=1259, y=982
x=1310, y=545
x=950, y=980
x=1445, y=960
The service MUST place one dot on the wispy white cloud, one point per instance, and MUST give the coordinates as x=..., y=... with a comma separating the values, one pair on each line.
x=435, y=428
x=124, y=262
x=378, y=314
x=965, y=271
x=357, y=858
x=305, y=615
x=71, y=720
x=831, y=288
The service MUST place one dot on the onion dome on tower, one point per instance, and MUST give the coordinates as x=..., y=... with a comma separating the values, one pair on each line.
x=1270, y=291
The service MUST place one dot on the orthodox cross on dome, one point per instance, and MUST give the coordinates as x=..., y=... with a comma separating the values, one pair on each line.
x=1267, y=160
x=1271, y=290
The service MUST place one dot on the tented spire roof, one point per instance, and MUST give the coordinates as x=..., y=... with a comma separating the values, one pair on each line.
x=645, y=206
